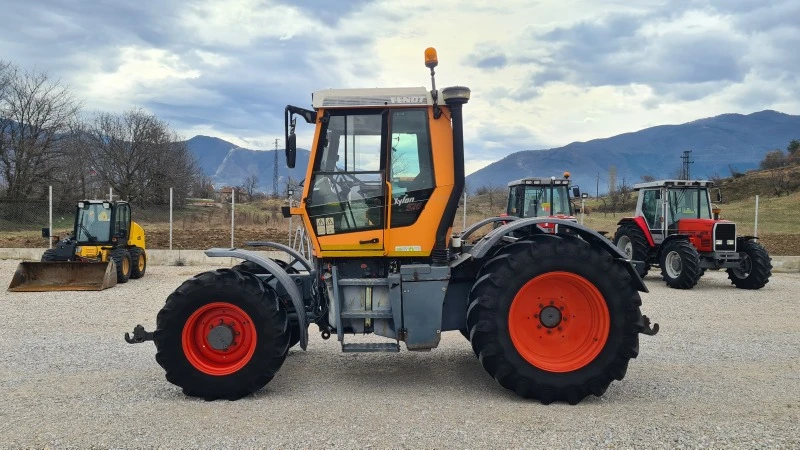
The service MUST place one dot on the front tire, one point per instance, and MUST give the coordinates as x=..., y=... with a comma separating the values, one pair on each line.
x=49, y=255
x=122, y=259
x=630, y=239
x=138, y=262
x=517, y=311
x=756, y=267
x=680, y=264
x=221, y=335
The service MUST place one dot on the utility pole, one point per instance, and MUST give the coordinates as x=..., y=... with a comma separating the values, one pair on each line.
x=685, y=166
x=275, y=171
x=597, y=188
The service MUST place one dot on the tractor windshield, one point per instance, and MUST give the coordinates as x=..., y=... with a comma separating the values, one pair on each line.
x=93, y=223
x=689, y=203
x=545, y=200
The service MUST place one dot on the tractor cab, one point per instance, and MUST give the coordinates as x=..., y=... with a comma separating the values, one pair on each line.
x=542, y=197
x=670, y=207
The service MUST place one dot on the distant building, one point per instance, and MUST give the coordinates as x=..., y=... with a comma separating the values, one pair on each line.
x=224, y=194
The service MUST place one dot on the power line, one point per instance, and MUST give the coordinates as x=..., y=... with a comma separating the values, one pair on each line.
x=685, y=166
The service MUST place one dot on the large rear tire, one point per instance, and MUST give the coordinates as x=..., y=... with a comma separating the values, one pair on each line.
x=630, y=239
x=756, y=266
x=138, y=262
x=221, y=334
x=250, y=266
x=517, y=318
x=680, y=264
x=122, y=259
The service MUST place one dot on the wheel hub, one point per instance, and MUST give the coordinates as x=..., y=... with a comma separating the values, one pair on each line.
x=550, y=316
x=220, y=337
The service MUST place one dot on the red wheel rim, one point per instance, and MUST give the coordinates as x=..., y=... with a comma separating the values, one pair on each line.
x=203, y=346
x=559, y=322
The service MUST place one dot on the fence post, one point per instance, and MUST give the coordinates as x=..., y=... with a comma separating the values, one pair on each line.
x=755, y=227
x=50, y=238
x=583, y=208
x=111, y=194
x=170, y=219
x=464, y=227
x=233, y=205
x=290, y=221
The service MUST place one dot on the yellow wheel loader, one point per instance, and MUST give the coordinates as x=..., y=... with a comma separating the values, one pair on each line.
x=105, y=248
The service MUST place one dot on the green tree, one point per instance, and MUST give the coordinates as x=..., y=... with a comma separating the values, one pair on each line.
x=794, y=145
x=773, y=160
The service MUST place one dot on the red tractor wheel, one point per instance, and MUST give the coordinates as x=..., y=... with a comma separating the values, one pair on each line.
x=221, y=334
x=554, y=318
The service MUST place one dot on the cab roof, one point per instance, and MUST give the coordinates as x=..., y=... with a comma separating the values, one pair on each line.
x=349, y=98
x=674, y=183
x=538, y=181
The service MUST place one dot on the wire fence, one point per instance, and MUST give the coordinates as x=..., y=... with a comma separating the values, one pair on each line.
x=225, y=221
x=203, y=223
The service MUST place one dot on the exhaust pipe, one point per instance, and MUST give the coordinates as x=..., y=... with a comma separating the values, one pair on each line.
x=454, y=97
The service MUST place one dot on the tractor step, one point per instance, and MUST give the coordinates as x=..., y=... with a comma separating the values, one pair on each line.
x=370, y=347
x=362, y=314
x=363, y=282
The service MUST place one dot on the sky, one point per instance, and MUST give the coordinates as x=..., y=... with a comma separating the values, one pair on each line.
x=542, y=73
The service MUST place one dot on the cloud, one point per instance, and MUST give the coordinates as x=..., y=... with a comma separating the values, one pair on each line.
x=540, y=76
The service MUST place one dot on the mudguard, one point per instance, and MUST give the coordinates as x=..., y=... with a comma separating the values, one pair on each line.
x=482, y=247
x=283, y=278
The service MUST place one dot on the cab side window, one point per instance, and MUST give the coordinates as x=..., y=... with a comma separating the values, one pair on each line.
x=651, y=208
x=411, y=165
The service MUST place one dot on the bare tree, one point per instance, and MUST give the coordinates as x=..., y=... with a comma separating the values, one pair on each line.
x=35, y=115
x=647, y=178
x=250, y=185
x=140, y=157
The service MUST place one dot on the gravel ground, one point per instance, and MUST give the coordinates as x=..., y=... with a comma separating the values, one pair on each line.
x=723, y=372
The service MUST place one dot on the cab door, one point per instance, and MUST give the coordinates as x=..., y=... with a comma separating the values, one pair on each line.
x=346, y=198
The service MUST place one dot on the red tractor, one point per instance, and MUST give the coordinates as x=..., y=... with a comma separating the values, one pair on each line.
x=675, y=230
x=542, y=197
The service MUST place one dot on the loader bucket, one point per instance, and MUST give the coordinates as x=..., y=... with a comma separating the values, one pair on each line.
x=63, y=276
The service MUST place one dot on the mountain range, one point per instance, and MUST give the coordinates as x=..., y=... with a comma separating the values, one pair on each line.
x=719, y=145
x=229, y=165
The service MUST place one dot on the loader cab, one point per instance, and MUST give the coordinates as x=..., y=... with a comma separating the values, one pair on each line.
x=100, y=222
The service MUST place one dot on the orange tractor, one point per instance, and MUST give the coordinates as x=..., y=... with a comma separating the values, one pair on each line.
x=674, y=229
x=551, y=316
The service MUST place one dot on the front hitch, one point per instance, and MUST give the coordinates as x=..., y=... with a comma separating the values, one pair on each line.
x=647, y=329
x=140, y=335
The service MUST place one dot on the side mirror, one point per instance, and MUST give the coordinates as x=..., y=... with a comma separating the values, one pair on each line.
x=291, y=149
x=576, y=191
x=719, y=196
x=45, y=232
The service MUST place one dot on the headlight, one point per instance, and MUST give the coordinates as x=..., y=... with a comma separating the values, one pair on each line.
x=77, y=250
x=718, y=242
